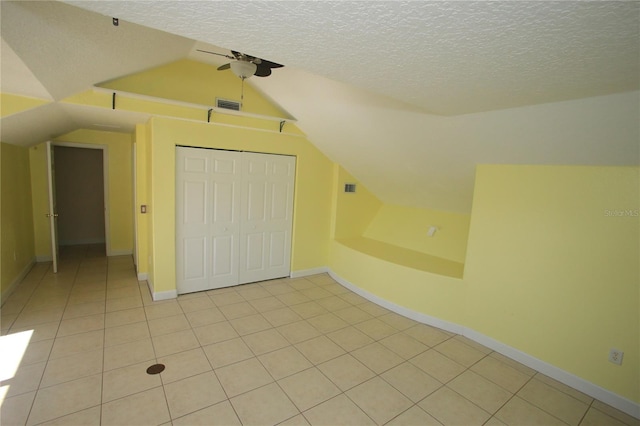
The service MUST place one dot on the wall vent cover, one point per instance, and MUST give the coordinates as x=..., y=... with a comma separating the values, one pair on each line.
x=227, y=104
x=349, y=187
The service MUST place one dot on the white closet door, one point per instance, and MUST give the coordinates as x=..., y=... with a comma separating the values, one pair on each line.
x=193, y=201
x=234, y=215
x=226, y=175
x=267, y=216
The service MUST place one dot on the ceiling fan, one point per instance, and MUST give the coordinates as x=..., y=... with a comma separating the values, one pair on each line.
x=244, y=66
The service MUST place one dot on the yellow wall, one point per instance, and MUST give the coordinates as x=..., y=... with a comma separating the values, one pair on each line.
x=312, y=198
x=424, y=292
x=17, y=249
x=141, y=198
x=162, y=108
x=407, y=227
x=11, y=104
x=195, y=82
x=353, y=211
x=120, y=187
x=150, y=206
x=551, y=274
x=552, y=267
x=39, y=201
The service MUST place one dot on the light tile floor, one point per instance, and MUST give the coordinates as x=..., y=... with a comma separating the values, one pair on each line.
x=290, y=351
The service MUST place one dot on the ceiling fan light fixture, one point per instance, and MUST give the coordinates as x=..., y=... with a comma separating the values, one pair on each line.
x=243, y=69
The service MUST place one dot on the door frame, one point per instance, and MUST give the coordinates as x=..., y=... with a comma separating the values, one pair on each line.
x=134, y=193
x=105, y=181
x=52, y=214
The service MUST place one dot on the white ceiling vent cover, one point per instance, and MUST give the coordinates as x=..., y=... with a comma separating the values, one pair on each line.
x=227, y=104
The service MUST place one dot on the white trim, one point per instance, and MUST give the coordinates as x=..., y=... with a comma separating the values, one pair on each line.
x=578, y=383
x=150, y=286
x=105, y=183
x=47, y=258
x=156, y=296
x=202, y=107
x=127, y=252
x=406, y=312
x=134, y=190
x=164, y=295
x=51, y=194
x=17, y=280
x=307, y=272
x=621, y=403
x=143, y=276
x=213, y=123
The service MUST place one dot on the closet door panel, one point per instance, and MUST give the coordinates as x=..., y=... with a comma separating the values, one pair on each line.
x=254, y=252
x=234, y=214
x=193, y=198
x=267, y=210
x=225, y=218
x=195, y=258
x=224, y=264
x=278, y=250
x=253, y=236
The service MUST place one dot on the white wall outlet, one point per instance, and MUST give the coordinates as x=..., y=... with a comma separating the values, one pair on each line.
x=432, y=231
x=615, y=356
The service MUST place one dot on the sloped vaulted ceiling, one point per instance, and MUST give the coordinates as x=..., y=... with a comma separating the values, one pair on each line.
x=447, y=57
x=69, y=50
x=407, y=96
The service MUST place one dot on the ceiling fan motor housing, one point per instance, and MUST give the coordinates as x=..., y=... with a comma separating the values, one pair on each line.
x=243, y=69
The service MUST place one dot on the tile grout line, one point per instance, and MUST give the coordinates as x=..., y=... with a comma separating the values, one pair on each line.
x=315, y=366
x=513, y=395
x=104, y=342
x=589, y=407
x=306, y=320
x=45, y=365
x=155, y=354
x=541, y=408
x=51, y=349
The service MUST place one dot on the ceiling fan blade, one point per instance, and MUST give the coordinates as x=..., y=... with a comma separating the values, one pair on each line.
x=216, y=53
x=262, y=70
x=224, y=67
x=270, y=64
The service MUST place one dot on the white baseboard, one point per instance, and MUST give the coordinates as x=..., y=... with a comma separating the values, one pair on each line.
x=119, y=252
x=164, y=295
x=143, y=276
x=150, y=286
x=17, y=280
x=44, y=259
x=578, y=383
x=416, y=316
x=307, y=272
x=160, y=295
x=621, y=403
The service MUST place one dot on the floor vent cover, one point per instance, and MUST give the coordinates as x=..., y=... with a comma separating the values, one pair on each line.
x=155, y=369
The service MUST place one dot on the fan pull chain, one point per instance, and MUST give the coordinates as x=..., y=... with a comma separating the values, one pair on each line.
x=242, y=93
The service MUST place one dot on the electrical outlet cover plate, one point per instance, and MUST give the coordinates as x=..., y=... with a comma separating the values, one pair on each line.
x=615, y=356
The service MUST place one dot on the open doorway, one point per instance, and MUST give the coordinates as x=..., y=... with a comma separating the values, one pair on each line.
x=80, y=196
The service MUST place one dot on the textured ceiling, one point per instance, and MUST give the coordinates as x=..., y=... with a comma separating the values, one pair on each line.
x=447, y=57
x=407, y=96
x=69, y=50
x=17, y=78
